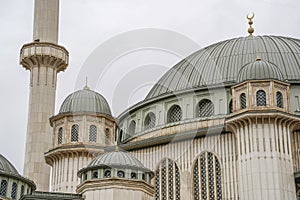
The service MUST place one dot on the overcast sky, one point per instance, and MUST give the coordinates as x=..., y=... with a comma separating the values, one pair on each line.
x=86, y=25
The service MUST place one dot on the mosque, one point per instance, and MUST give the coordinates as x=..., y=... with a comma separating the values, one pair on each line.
x=221, y=124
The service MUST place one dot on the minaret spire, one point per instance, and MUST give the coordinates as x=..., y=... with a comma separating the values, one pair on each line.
x=44, y=58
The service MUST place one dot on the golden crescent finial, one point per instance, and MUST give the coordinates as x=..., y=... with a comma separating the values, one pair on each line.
x=250, y=17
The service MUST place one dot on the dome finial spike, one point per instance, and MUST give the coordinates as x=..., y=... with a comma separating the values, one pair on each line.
x=86, y=84
x=250, y=17
x=117, y=148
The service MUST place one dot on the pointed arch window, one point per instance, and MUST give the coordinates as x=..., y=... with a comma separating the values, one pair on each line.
x=132, y=127
x=243, y=100
x=150, y=121
x=205, y=108
x=174, y=114
x=93, y=134
x=261, y=98
x=230, y=108
x=167, y=181
x=207, y=177
x=22, y=190
x=107, y=136
x=60, y=135
x=14, y=189
x=279, y=100
x=75, y=133
x=3, y=188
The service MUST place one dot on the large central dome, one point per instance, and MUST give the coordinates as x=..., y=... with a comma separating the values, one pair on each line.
x=220, y=63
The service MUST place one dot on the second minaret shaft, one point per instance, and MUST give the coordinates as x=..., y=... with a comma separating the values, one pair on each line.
x=46, y=16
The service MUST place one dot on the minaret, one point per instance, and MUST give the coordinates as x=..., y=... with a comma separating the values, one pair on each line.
x=44, y=58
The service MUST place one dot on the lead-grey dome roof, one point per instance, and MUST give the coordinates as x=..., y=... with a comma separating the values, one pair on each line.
x=259, y=70
x=7, y=167
x=116, y=158
x=220, y=63
x=85, y=100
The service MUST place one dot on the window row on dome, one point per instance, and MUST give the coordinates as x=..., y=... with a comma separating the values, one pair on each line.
x=205, y=108
x=74, y=134
x=114, y=173
x=13, y=187
x=261, y=99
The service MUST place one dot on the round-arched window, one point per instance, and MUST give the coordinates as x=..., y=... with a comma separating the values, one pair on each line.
x=174, y=114
x=150, y=121
x=279, y=100
x=75, y=133
x=261, y=98
x=243, y=100
x=205, y=108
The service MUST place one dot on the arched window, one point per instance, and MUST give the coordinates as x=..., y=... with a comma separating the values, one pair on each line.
x=121, y=135
x=174, y=114
x=3, y=188
x=279, y=100
x=150, y=121
x=207, y=177
x=243, y=100
x=230, y=108
x=22, y=190
x=205, y=108
x=133, y=175
x=261, y=98
x=120, y=174
x=95, y=174
x=131, y=129
x=93, y=134
x=60, y=135
x=75, y=133
x=14, y=188
x=107, y=174
x=167, y=181
x=107, y=136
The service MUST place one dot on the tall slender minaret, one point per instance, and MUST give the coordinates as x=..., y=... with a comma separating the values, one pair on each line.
x=44, y=58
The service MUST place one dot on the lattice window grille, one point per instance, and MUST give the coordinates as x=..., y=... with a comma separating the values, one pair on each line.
x=207, y=178
x=261, y=98
x=243, y=100
x=14, y=191
x=230, y=107
x=167, y=181
x=205, y=108
x=93, y=133
x=175, y=114
x=150, y=121
x=3, y=188
x=60, y=135
x=157, y=185
x=107, y=136
x=132, y=127
x=279, y=100
x=75, y=133
x=22, y=190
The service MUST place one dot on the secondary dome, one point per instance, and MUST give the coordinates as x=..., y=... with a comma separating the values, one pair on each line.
x=259, y=70
x=220, y=62
x=85, y=100
x=7, y=167
x=117, y=158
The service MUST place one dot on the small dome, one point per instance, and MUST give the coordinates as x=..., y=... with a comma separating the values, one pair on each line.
x=117, y=158
x=7, y=167
x=259, y=70
x=85, y=100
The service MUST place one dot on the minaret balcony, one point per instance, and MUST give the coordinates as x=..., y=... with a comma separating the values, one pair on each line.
x=49, y=54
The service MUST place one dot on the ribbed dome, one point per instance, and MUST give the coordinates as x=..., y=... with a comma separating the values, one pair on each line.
x=6, y=166
x=259, y=70
x=220, y=63
x=85, y=101
x=117, y=159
